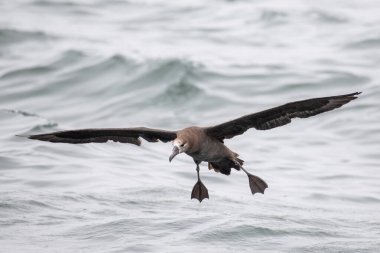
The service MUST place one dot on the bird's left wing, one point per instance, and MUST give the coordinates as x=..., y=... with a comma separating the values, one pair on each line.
x=278, y=116
x=123, y=135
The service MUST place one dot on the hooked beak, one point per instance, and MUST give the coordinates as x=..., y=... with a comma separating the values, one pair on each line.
x=175, y=152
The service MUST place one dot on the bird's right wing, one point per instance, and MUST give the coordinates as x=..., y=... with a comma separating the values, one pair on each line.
x=124, y=135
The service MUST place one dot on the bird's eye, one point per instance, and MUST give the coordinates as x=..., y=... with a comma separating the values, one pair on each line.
x=182, y=145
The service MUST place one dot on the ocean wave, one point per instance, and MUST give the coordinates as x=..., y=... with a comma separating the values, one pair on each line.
x=242, y=233
x=121, y=82
x=368, y=43
x=274, y=17
x=54, y=3
x=20, y=112
x=345, y=198
x=70, y=64
x=47, y=127
x=328, y=17
x=9, y=37
x=24, y=205
x=64, y=61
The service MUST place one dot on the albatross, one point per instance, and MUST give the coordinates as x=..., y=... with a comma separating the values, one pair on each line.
x=206, y=144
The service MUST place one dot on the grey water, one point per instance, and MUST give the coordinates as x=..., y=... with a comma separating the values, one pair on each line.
x=68, y=64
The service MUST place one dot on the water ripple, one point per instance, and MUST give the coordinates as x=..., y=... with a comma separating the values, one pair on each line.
x=9, y=37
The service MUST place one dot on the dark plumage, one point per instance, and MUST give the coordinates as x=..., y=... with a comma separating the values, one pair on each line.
x=123, y=135
x=205, y=144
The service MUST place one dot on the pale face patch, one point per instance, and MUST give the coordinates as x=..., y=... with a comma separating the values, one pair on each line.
x=181, y=145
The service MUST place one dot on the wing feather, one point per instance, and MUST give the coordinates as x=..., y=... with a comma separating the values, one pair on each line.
x=279, y=116
x=123, y=135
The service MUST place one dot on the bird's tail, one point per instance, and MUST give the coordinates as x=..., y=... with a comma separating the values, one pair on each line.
x=225, y=165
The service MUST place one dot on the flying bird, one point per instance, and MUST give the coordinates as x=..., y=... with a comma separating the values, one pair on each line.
x=206, y=144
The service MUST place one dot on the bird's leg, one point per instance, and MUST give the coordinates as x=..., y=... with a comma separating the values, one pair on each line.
x=255, y=183
x=200, y=191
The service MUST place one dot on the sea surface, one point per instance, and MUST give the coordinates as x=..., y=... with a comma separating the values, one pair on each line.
x=69, y=64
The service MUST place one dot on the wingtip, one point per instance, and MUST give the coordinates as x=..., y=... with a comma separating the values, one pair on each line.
x=23, y=136
x=42, y=137
x=33, y=137
x=354, y=94
x=344, y=99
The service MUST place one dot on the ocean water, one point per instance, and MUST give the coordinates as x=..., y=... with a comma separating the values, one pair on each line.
x=170, y=64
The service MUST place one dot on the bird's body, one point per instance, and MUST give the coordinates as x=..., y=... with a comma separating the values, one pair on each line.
x=206, y=144
x=204, y=148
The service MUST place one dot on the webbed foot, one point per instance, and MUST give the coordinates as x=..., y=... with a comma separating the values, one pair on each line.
x=256, y=184
x=199, y=192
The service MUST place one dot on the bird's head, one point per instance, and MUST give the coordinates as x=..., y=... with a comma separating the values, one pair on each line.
x=179, y=146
